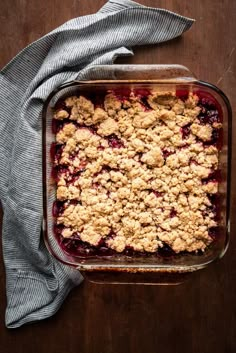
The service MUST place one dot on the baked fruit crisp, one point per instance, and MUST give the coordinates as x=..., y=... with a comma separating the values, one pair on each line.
x=136, y=172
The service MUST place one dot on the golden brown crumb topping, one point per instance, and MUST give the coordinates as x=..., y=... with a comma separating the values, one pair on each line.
x=136, y=173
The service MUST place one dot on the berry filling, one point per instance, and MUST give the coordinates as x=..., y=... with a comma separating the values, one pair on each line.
x=58, y=208
x=173, y=212
x=143, y=94
x=182, y=94
x=167, y=153
x=115, y=142
x=185, y=130
x=166, y=251
x=157, y=193
x=122, y=94
x=214, y=177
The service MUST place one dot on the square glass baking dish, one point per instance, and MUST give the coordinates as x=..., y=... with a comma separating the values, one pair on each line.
x=127, y=269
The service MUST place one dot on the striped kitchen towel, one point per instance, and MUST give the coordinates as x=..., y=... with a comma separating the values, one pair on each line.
x=36, y=284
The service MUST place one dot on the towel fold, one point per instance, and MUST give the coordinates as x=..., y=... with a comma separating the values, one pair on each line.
x=36, y=283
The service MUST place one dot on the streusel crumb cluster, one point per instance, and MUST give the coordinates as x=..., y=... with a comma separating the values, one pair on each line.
x=135, y=171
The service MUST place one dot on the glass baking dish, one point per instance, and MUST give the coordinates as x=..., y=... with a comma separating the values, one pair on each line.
x=126, y=269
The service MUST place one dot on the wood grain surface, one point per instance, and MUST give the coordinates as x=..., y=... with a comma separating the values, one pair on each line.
x=198, y=316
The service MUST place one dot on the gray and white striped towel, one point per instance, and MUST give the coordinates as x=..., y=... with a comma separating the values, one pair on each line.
x=36, y=283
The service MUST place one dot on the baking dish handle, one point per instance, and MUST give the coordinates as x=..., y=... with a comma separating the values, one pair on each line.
x=153, y=279
x=157, y=73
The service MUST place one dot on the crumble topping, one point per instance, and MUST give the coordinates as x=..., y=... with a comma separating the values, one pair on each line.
x=108, y=127
x=61, y=114
x=203, y=132
x=135, y=173
x=82, y=110
x=153, y=158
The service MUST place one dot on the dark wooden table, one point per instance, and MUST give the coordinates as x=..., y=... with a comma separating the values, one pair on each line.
x=198, y=316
